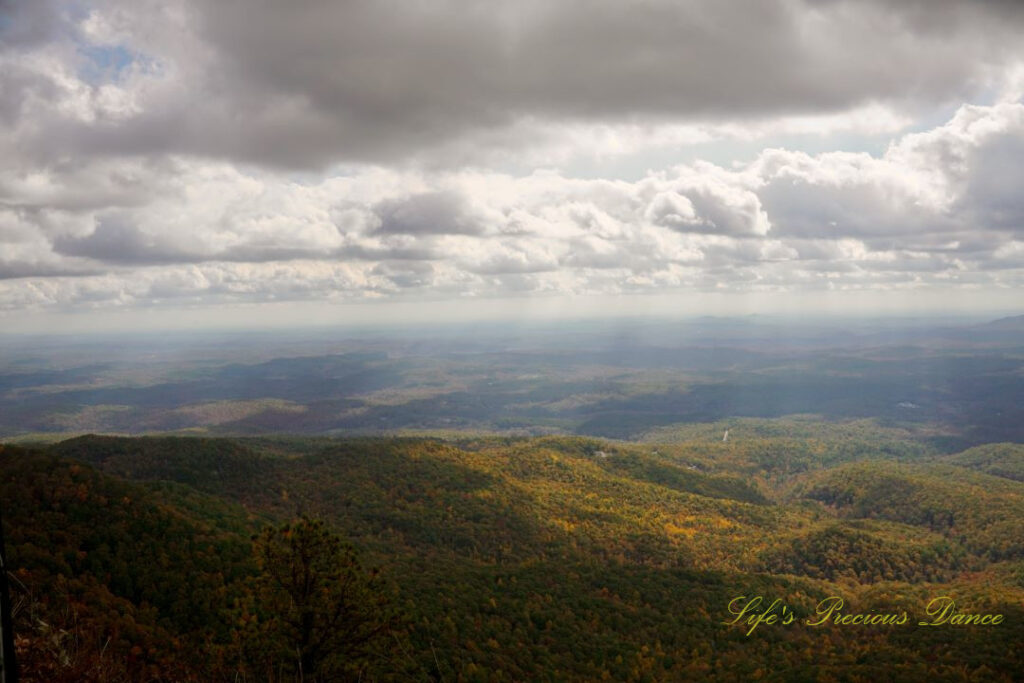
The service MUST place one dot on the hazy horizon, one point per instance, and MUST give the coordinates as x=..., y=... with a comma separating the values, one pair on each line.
x=303, y=315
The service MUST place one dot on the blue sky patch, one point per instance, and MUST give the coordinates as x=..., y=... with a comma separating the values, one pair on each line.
x=104, y=63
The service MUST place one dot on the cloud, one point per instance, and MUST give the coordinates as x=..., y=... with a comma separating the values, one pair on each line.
x=706, y=199
x=937, y=206
x=432, y=213
x=113, y=241
x=310, y=84
x=951, y=188
x=165, y=151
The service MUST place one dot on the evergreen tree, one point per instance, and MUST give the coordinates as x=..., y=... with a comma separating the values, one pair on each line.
x=324, y=618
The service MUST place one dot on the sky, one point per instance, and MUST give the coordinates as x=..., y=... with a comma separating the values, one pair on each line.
x=211, y=162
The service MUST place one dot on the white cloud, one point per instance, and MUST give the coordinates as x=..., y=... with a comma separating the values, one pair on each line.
x=213, y=233
x=935, y=206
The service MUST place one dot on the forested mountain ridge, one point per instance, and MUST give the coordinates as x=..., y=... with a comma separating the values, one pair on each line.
x=107, y=565
x=983, y=512
x=522, y=559
x=1000, y=459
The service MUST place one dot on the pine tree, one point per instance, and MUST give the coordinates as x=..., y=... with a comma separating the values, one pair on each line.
x=324, y=618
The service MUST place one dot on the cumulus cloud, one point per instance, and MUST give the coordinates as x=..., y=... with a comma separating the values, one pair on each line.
x=432, y=213
x=937, y=206
x=707, y=199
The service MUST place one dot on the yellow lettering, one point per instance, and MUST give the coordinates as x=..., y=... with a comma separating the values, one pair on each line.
x=825, y=609
x=940, y=609
x=741, y=612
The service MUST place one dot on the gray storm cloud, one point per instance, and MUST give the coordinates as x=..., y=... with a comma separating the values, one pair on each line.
x=309, y=84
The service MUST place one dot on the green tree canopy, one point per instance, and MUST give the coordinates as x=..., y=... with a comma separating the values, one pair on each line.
x=325, y=618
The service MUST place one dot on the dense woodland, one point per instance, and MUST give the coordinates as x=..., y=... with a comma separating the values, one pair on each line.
x=499, y=558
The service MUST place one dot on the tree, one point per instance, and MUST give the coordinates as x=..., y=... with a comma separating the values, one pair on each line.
x=323, y=617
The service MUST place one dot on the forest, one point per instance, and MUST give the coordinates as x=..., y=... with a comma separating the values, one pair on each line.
x=509, y=558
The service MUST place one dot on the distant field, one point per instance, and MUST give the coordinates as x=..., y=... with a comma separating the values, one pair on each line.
x=954, y=387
